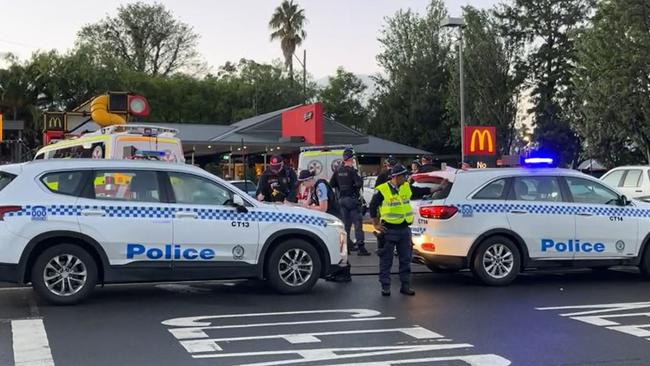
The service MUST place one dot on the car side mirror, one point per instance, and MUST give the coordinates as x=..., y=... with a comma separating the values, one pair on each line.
x=623, y=201
x=239, y=204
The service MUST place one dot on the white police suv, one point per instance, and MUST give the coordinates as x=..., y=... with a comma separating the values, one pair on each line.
x=66, y=225
x=498, y=222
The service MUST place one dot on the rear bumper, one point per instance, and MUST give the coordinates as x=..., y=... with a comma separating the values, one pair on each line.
x=8, y=272
x=440, y=261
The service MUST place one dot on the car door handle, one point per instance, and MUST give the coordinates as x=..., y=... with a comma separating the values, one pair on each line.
x=519, y=212
x=93, y=212
x=186, y=215
x=587, y=214
x=639, y=191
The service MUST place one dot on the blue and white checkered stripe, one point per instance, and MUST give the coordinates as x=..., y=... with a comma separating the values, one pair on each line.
x=158, y=212
x=557, y=209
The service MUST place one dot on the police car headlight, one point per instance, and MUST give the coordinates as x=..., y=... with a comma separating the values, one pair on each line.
x=334, y=222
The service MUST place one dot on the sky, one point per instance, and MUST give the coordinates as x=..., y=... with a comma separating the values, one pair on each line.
x=339, y=32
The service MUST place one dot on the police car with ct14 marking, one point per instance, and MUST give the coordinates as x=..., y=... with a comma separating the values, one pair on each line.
x=66, y=225
x=498, y=222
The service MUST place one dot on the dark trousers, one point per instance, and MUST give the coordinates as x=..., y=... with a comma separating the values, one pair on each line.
x=352, y=216
x=400, y=239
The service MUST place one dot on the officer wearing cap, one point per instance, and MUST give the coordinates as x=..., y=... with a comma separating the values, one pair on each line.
x=392, y=214
x=429, y=164
x=384, y=176
x=277, y=183
x=321, y=197
x=348, y=183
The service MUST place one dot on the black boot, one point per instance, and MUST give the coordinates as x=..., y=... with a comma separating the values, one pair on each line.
x=385, y=290
x=363, y=252
x=407, y=290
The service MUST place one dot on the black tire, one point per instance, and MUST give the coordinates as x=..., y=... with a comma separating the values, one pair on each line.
x=437, y=269
x=484, y=268
x=274, y=267
x=76, y=292
x=644, y=265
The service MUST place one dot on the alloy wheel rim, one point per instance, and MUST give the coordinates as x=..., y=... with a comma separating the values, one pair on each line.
x=498, y=261
x=295, y=267
x=65, y=275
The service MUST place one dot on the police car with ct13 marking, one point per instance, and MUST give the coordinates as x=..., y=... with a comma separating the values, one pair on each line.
x=498, y=222
x=66, y=225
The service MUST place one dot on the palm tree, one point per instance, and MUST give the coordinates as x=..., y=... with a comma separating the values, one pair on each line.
x=287, y=24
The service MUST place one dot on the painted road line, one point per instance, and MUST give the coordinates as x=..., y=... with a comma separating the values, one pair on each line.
x=472, y=360
x=30, y=344
x=211, y=345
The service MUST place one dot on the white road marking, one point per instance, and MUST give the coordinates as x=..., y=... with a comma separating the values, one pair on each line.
x=599, y=308
x=197, y=321
x=211, y=345
x=472, y=360
x=198, y=332
x=325, y=354
x=30, y=344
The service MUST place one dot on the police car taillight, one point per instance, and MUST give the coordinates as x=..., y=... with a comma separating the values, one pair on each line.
x=7, y=209
x=438, y=212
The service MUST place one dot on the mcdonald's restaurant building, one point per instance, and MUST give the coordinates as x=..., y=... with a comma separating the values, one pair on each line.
x=225, y=148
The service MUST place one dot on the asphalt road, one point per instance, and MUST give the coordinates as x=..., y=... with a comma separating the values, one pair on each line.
x=451, y=321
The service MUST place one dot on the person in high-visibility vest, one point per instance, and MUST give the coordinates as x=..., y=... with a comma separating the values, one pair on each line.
x=392, y=215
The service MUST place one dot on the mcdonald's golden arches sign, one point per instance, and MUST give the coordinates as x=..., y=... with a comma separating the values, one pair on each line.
x=480, y=140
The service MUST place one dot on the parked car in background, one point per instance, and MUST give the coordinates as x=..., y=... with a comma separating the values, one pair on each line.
x=632, y=181
x=245, y=185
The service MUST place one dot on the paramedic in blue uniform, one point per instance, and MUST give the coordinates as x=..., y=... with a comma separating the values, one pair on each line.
x=392, y=215
x=321, y=197
x=347, y=182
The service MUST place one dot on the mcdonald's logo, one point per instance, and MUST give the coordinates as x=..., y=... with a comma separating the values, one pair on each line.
x=54, y=121
x=480, y=140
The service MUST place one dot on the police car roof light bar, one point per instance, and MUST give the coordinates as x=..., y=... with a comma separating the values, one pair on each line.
x=538, y=161
x=148, y=130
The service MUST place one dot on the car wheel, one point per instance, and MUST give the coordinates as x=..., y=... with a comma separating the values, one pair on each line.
x=497, y=261
x=294, y=266
x=437, y=269
x=64, y=274
x=644, y=266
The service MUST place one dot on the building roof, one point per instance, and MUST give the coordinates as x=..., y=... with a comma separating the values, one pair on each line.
x=195, y=132
x=379, y=146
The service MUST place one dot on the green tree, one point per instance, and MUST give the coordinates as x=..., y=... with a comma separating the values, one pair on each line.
x=491, y=84
x=145, y=37
x=613, y=83
x=288, y=25
x=342, y=99
x=548, y=27
x=409, y=105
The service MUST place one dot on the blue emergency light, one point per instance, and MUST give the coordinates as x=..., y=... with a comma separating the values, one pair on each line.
x=538, y=162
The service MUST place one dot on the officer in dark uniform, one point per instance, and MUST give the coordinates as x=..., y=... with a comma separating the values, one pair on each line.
x=278, y=183
x=321, y=197
x=384, y=176
x=348, y=183
x=429, y=164
x=392, y=215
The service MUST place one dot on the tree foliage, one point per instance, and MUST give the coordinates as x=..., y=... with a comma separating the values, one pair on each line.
x=612, y=83
x=409, y=106
x=491, y=83
x=144, y=37
x=342, y=98
x=288, y=26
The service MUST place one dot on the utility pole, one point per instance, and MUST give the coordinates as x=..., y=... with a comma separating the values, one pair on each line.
x=460, y=24
x=303, y=63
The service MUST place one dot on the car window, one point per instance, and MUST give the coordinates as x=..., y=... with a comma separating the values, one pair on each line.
x=614, y=178
x=632, y=178
x=588, y=191
x=492, y=191
x=540, y=189
x=5, y=179
x=195, y=190
x=68, y=183
x=127, y=185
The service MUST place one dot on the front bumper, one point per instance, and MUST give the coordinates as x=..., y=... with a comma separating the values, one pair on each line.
x=444, y=262
x=8, y=272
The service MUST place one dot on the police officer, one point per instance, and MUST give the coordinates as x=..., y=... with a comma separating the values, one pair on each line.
x=392, y=214
x=429, y=164
x=278, y=182
x=384, y=176
x=348, y=183
x=321, y=197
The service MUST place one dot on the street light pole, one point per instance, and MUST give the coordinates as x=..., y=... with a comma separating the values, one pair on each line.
x=460, y=24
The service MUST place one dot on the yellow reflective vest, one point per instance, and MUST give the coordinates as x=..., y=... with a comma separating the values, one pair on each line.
x=396, y=207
